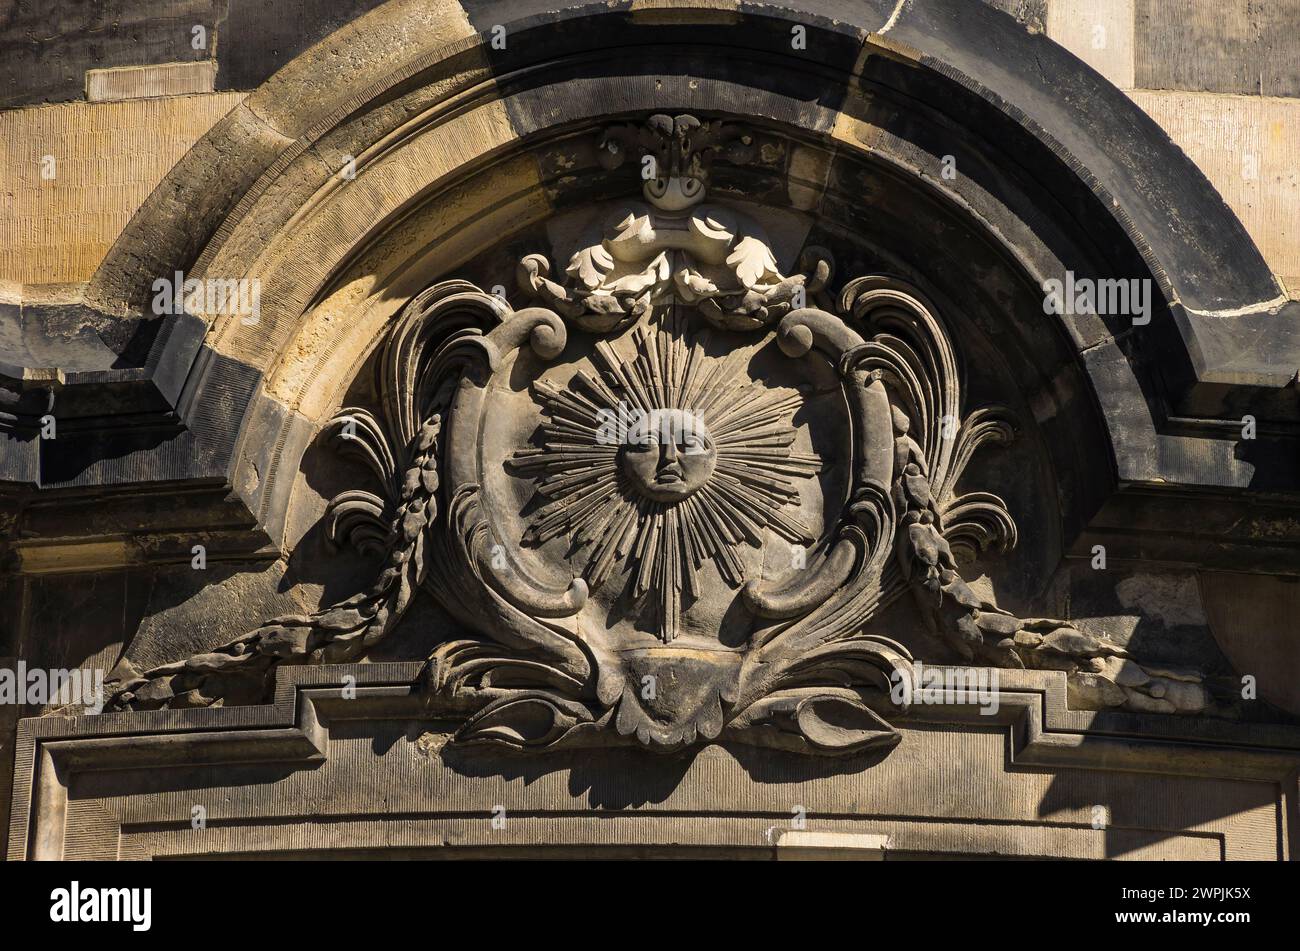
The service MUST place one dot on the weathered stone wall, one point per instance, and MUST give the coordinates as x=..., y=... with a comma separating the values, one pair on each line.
x=115, y=94
x=1223, y=80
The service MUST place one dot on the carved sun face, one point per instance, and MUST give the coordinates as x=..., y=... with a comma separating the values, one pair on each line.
x=669, y=455
x=664, y=460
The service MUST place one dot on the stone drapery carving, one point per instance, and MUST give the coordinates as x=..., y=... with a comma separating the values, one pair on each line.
x=696, y=495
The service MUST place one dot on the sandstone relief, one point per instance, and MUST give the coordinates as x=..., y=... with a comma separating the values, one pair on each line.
x=670, y=499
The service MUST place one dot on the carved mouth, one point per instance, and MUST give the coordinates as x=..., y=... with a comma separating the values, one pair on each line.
x=668, y=478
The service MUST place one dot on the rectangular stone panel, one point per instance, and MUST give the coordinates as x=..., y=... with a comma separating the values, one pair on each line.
x=138, y=82
x=77, y=172
x=1236, y=46
x=941, y=791
x=1249, y=149
x=1099, y=32
x=46, y=48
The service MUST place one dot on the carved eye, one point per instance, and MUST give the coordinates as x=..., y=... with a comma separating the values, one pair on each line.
x=640, y=440
x=691, y=187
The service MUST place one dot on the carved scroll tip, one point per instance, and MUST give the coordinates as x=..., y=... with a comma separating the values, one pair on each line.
x=794, y=339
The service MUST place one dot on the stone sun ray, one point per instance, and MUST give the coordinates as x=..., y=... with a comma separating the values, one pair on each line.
x=664, y=542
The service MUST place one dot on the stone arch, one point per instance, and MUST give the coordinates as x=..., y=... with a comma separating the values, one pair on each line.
x=437, y=122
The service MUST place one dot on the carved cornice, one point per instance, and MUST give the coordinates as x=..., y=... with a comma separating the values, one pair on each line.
x=1043, y=733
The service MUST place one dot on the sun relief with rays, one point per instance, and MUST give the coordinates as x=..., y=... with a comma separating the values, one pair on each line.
x=662, y=459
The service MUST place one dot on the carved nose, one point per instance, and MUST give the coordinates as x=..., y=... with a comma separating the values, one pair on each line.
x=668, y=465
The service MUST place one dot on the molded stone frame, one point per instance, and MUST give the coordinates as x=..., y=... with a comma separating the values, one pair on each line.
x=375, y=773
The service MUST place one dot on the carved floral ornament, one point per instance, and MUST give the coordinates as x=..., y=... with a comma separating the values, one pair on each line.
x=667, y=502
